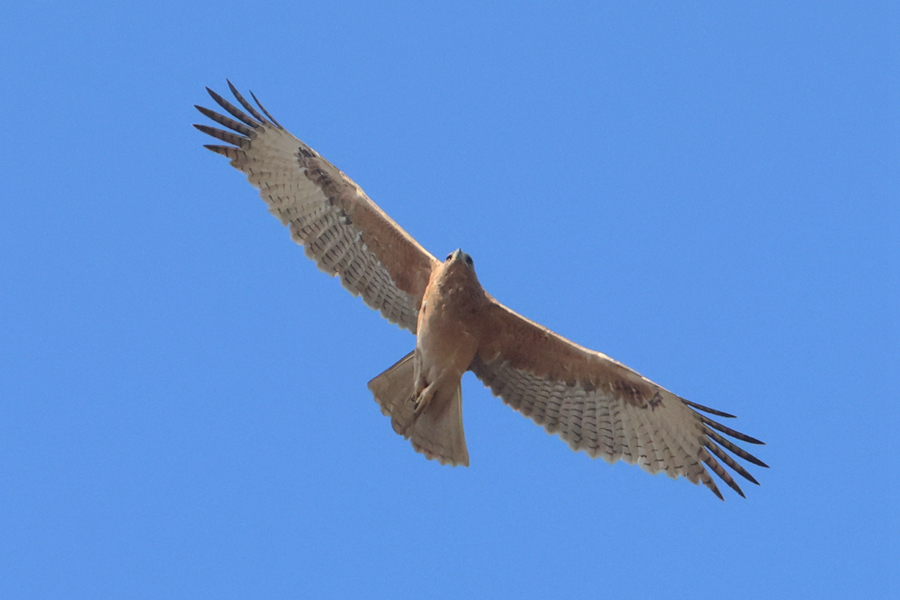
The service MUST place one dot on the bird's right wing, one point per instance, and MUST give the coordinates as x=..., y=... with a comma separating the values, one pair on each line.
x=341, y=229
x=601, y=406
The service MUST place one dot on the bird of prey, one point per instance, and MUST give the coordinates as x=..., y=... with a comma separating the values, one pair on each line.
x=591, y=401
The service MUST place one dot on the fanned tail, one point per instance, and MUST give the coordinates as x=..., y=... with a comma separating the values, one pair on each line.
x=437, y=432
x=394, y=391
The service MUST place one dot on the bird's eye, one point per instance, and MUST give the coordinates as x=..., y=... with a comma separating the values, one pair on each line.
x=469, y=261
x=449, y=256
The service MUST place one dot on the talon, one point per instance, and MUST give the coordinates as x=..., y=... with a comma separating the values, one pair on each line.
x=422, y=400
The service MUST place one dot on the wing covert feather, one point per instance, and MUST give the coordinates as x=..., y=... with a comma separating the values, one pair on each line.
x=341, y=229
x=600, y=406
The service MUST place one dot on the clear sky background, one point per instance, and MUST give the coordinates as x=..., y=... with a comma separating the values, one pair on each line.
x=708, y=194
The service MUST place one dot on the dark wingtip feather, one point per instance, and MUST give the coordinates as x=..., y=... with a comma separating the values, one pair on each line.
x=730, y=462
x=225, y=136
x=729, y=431
x=232, y=109
x=718, y=469
x=263, y=108
x=249, y=107
x=223, y=120
x=733, y=448
x=706, y=409
x=748, y=439
x=226, y=151
x=714, y=451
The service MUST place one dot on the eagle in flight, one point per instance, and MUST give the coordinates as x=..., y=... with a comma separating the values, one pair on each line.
x=591, y=401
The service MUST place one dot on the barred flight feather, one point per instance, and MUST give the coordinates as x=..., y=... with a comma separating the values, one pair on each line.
x=666, y=439
x=320, y=205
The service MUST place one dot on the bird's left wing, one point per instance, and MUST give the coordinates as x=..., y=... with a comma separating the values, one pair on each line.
x=342, y=230
x=601, y=406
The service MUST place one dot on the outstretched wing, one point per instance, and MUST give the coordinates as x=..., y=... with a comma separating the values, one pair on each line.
x=601, y=406
x=341, y=229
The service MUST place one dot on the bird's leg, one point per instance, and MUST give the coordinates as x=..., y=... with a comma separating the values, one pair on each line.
x=419, y=401
x=423, y=397
x=427, y=390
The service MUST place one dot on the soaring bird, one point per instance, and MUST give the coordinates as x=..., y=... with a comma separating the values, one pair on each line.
x=591, y=401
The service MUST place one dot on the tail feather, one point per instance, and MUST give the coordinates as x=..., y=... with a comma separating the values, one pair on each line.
x=437, y=432
x=394, y=390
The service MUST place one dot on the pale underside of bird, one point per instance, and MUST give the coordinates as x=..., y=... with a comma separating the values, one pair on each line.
x=586, y=398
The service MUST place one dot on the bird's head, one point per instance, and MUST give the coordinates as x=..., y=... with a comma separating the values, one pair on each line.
x=458, y=256
x=459, y=266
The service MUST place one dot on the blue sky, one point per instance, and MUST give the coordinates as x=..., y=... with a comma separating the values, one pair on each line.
x=707, y=193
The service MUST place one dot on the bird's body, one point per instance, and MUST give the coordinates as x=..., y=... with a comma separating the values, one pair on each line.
x=447, y=341
x=447, y=334
x=591, y=401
